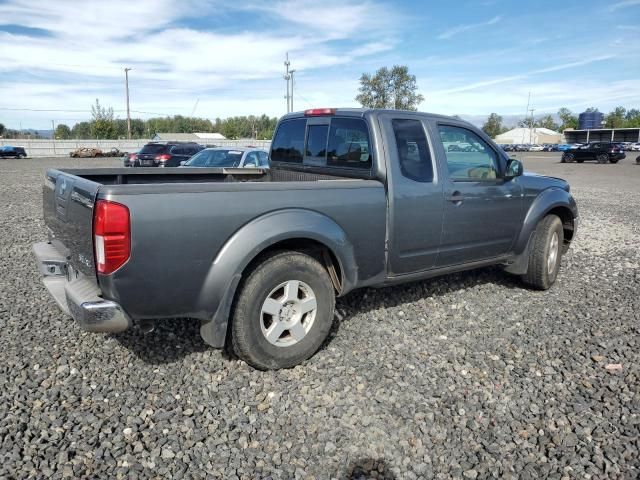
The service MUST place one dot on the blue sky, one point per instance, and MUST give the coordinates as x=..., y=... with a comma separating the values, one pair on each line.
x=470, y=57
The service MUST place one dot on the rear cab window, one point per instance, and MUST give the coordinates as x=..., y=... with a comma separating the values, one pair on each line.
x=333, y=142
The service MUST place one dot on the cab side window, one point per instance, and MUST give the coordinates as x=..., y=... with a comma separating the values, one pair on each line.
x=288, y=144
x=413, y=150
x=469, y=158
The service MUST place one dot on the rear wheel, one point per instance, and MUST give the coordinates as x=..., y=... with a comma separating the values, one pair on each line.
x=284, y=311
x=602, y=158
x=545, y=254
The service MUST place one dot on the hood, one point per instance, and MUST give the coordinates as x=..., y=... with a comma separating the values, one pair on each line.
x=549, y=181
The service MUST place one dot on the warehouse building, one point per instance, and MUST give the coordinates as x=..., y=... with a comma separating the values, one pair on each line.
x=603, y=135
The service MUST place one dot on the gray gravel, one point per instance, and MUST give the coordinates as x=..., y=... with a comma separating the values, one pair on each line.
x=468, y=376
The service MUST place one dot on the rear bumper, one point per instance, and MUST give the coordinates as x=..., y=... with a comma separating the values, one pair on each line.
x=76, y=294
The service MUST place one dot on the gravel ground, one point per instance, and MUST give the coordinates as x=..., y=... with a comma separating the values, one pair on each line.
x=467, y=376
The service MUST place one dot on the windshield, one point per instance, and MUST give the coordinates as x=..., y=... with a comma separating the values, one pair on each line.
x=215, y=158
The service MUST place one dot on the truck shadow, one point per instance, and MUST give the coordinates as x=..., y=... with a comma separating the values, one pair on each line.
x=174, y=339
x=365, y=300
x=171, y=340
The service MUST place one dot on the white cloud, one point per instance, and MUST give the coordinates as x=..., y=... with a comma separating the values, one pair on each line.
x=464, y=28
x=624, y=4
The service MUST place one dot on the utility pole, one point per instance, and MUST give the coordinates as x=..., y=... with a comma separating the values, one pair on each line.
x=53, y=136
x=287, y=76
x=531, y=128
x=126, y=81
x=291, y=72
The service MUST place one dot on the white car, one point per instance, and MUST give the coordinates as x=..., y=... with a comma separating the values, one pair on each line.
x=229, y=157
x=536, y=148
x=634, y=147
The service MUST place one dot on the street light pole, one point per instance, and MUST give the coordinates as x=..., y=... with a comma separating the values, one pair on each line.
x=126, y=81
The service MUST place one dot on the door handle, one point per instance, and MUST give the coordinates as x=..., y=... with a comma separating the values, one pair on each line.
x=455, y=197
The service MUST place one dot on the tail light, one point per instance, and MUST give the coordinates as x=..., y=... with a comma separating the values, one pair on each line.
x=111, y=236
x=163, y=158
x=133, y=156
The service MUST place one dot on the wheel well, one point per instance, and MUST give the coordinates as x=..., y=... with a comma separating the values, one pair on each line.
x=313, y=248
x=566, y=217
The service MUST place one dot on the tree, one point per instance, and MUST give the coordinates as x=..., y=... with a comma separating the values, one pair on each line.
x=2, y=129
x=547, y=122
x=394, y=88
x=102, y=124
x=63, y=132
x=632, y=118
x=493, y=125
x=616, y=118
x=528, y=122
x=81, y=130
x=568, y=119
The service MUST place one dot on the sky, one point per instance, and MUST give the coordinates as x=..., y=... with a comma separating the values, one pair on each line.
x=220, y=58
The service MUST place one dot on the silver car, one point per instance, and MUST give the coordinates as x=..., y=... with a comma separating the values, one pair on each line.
x=229, y=157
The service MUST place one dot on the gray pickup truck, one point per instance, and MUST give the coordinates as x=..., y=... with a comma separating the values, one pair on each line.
x=354, y=198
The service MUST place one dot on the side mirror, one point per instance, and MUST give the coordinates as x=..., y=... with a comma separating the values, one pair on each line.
x=183, y=162
x=514, y=168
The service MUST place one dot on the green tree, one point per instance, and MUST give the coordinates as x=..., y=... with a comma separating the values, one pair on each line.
x=102, y=124
x=2, y=129
x=63, y=132
x=632, y=118
x=616, y=118
x=493, y=125
x=81, y=130
x=394, y=88
x=547, y=122
x=568, y=119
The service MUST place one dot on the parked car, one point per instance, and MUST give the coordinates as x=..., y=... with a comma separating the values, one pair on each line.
x=9, y=151
x=258, y=256
x=86, y=152
x=130, y=159
x=602, y=152
x=229, y=158
x=563, y=147
x=634, y=147
x=536, y=148
x=549, y=147
x=166, y=154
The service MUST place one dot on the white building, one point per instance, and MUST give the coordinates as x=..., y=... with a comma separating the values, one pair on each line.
x=530, y=135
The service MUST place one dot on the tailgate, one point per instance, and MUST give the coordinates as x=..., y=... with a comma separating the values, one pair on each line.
x=68, y=214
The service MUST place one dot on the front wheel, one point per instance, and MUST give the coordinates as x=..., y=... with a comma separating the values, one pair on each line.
x=284, y=311
x=568, y=157
x=603, y=158
x=545, y=254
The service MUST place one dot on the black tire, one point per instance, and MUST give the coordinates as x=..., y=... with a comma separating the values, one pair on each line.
x=602, y=158
x=638, y=160
x=539, y=275
x=568, y=157
x=248, y=319
x=580, y=161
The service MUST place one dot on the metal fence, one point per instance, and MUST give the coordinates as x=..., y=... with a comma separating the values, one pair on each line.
x=51, y=148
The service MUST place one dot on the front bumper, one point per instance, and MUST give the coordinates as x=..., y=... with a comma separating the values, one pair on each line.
x=76, y=294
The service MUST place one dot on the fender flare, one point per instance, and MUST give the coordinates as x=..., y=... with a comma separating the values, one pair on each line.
x=220, y=285
x=545, y=202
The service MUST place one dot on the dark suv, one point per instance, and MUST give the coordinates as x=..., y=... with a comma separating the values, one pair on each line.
x=602, y=152
x=17, y=152
x=166, y=154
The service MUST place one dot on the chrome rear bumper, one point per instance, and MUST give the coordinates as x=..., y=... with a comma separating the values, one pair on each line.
x=76, y=294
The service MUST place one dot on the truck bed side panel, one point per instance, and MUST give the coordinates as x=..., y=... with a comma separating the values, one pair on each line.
x=176, y=236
